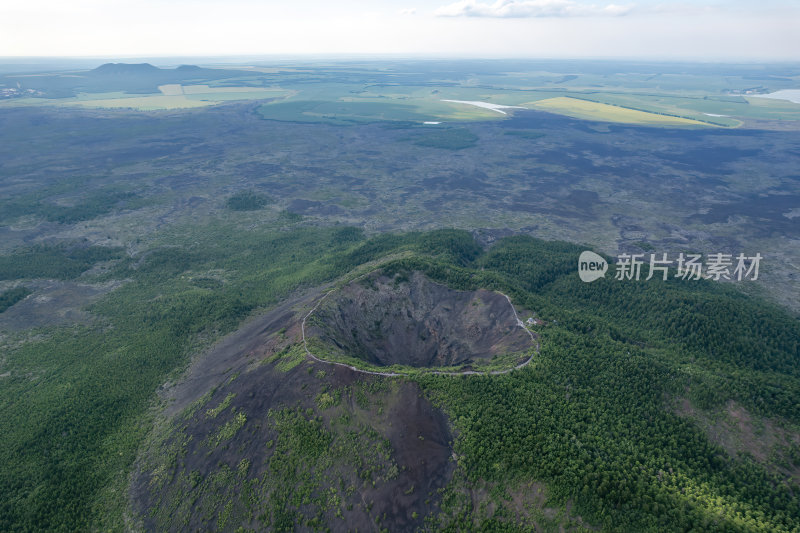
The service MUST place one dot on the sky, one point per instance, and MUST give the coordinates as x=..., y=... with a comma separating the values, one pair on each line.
x=705, y=30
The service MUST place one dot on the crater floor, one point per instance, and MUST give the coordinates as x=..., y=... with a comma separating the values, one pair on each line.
x=416, y=322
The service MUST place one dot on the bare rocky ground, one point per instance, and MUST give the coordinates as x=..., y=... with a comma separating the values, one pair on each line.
x=739, y=432
x=616, y=188
x=54, y=303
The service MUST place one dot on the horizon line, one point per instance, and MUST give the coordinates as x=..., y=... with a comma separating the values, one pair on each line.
x=401, y=56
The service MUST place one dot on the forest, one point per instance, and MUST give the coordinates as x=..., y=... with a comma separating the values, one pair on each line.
x=592, y=417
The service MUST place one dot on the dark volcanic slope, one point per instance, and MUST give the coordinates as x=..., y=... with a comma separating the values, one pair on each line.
x=417, y=322
x=275, y=441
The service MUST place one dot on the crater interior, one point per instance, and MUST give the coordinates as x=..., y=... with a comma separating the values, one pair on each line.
x=411, y=320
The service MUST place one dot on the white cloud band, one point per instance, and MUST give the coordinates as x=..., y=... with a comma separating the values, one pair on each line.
x=530, y=9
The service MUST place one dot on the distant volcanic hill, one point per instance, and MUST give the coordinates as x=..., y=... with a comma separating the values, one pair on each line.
x=144, y=78
x=166, y=75
x=126, y=69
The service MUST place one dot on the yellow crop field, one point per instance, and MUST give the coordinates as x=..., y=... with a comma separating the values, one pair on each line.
x=173, y=96
x=585, y=109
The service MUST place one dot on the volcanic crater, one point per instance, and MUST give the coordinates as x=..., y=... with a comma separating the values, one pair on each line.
x=410, y=320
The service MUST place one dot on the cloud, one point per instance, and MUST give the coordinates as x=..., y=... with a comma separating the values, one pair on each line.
x=530, y=9
x=408, y=11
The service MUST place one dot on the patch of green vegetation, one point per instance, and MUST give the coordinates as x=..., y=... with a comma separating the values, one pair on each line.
x=446, y=138
x=526, y=134
x=326, y=400
x=55, y=261
x=86, y=208
x=212, y=413
x=207, y=283
x=299, y=434
x=340, y=111
x=289, y=217
x=12, y=296
x=198, y=404
x=247, y=201
x=288, y=358
x=529, y=508
x=228, y=430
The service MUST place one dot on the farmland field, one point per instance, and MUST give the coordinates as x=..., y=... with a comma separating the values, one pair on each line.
x=169, y=97
x=416, y=91
x=578, y=108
